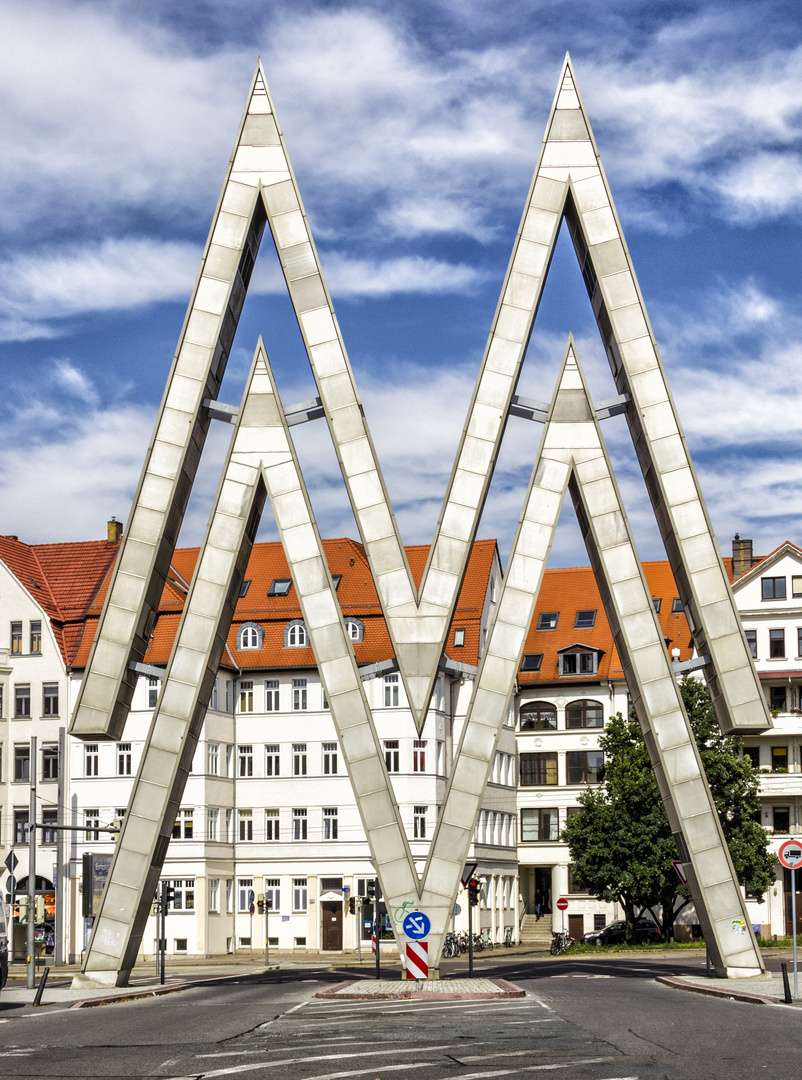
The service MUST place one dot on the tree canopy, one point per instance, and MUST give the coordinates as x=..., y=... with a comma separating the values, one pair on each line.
x=620, y=840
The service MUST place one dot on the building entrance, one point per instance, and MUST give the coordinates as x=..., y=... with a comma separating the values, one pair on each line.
x=332, y=914
x=787, y=897
x=543, y=889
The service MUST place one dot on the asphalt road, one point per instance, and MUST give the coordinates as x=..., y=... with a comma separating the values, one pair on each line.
x=587, y=1019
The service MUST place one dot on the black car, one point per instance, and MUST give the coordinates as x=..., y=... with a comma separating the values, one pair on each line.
x=615, y=933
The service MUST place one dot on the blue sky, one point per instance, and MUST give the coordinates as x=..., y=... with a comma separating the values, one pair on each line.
x=413, y=129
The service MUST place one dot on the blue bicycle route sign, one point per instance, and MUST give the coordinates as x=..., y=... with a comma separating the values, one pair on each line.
x=417, y=925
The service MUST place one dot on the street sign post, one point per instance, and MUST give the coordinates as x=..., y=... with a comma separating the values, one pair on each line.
x=417, y=925
x=790, y=855
x=562, y=905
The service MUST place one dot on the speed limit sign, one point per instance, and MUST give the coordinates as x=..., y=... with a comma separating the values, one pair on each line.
x=790, y=854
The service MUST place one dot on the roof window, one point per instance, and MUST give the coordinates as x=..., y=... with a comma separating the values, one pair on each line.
x=676, y=606
x=336, y=579
x=585, y=619
x=531, y=661
x=658, y=603
x=547, y=620
x=280, y=587
x=243, y=589
x=459, y=638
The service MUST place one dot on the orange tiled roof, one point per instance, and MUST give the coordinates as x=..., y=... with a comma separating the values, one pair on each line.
x=574, y=589
x=63, y=578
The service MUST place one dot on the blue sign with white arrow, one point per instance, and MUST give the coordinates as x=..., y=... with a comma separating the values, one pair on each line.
x=417, y=925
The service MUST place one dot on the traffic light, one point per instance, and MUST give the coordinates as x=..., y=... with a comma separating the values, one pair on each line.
x=260, y=903
x=118, y=825
x=40, y=909
x=352, y=905
x=168, y=895
x=473, y=891
x=22, y=909
x=371, y=889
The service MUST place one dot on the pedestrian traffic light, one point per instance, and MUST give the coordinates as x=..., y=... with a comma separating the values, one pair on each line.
x=168, y=895
x=40, y=909
x=473, y=891
x=22, y=909
x=352, y=905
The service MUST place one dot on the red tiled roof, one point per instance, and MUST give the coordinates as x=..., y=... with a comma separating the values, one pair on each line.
x=574, y=589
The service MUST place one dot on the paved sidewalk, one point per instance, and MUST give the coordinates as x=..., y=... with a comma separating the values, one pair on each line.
x=764, y=990
x=421, y=989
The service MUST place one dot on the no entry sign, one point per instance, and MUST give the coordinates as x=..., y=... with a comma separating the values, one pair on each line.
x=562, y=904
x=790, y=854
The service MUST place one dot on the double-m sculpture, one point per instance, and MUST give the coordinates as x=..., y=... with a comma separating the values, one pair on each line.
x=260, y=190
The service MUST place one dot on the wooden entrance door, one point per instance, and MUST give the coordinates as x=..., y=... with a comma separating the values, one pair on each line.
x=576, y=926
x=332, y=924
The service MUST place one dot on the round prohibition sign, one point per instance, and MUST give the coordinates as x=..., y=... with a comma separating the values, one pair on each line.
x=790, y=854
x=417, y=925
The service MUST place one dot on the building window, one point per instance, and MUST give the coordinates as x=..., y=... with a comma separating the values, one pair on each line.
x=183, y=827
x=124, y=759
x=779, y=759
x=229, y=827
x=271, y=695
x=20, y=826
x=390, y=691
x=22, y=702
x=280, y=587
x=245, y=825
x=50, y=762
x=531, y=661
x=539, y=824
x=243, y=589
x=91, y=824
x=22, y=764
x=16, y=638
x=419, y=822
x=781, y=819
x=796, y=585
x=329, y=758
x=244, y=890
x=324, y=700
x=214, y=894
x=299, y=698
x=249, y=637
x=212, y=824
x=273, y=895
x=299, y=824
x=272, y=767
x=547, y=620
x=246, y=696
x=798, y=646
x=538, y=770
x=271, y=826
x=419, y=755
x=355, y=629
x=777, y=697
x=459, y=638
x=299, y=759
x=579, y=662
x=50, y=699
x=1, y=701
x=330, y=829
x=299, y=893
x=229, y=895
x=49, y=817
x=36, y=636
x=295, y=635
x=658, y=603
x=245, y=760
x=582, y=766
x=585, y=619
x=153, y=691
x=751, y=641
x=753, y=755
x=213, y=758
x=777, y=644
x=91, y=759
x=538, y=716
x=392, y=755
x=184, y=898
x=772, y=588
x=585, y=713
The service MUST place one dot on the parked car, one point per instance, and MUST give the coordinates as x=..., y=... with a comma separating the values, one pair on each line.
x=615, y=933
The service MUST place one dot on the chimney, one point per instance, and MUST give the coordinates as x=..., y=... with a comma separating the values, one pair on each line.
x=741, y=556
x=115, y=530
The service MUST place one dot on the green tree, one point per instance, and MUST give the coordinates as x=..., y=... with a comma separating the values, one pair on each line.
x=620, y=841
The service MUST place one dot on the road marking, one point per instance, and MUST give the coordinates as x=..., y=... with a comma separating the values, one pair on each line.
x=534, y=1068
x=295, y=1008
x=222, y=1053
x=551, y=1020
x=249, y=1067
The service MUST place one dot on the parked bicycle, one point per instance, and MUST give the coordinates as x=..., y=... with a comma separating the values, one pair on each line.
x=508, y=938
x=560, y=941
x=451, y=946
x=485, y=940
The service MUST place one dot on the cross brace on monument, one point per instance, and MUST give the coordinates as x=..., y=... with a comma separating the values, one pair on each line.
x=260, y=189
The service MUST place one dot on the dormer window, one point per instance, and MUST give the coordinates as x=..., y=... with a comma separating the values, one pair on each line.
x=280, y=587
x=547, y=620
x=585, y=620
x=250, y=636
x=295, y=635
x=355, y=629
x=578, y=660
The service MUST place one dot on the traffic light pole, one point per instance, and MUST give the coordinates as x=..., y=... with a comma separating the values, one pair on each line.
x=59, y=957
x=31, y=927
x=470, y=938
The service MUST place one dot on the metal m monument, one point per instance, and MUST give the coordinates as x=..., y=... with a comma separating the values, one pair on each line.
x=260, y=190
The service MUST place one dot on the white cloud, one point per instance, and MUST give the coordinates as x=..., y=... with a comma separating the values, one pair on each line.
x=73, y=381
